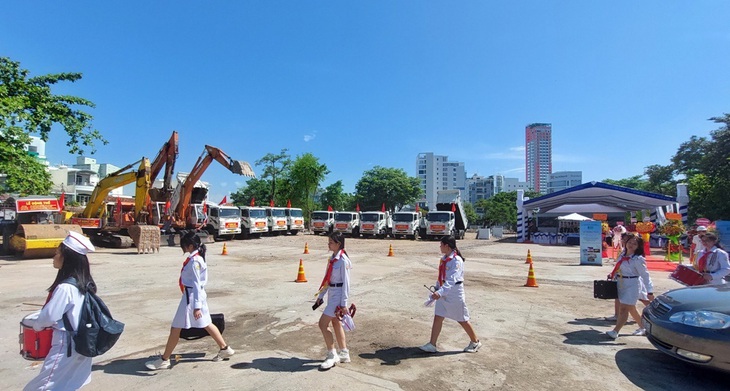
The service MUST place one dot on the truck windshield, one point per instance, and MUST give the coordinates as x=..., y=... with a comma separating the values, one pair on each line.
x=278, y=212
x=343, y=217
x=369, y=217
x=320, y=216
x=295, y=212
x=438, y=216
x=257, y=213
x=229, y=212
x=403, y=217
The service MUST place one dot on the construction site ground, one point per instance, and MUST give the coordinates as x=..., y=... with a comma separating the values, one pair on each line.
x=547, y=338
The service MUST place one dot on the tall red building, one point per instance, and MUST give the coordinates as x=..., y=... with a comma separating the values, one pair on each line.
x=538, y=156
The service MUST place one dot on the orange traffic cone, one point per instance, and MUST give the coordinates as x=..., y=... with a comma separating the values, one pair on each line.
x=529, y=257
x=306, y=248
x=225, y=250
x=300, y=276
x=531, y=281
x=390, y=251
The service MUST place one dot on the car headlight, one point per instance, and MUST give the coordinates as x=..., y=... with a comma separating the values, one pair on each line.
x=703, y=319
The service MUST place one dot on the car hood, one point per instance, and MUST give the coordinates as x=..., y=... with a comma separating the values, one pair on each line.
x=711, y=298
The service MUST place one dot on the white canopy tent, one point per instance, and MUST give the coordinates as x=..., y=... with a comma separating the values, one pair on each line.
x=574, y=217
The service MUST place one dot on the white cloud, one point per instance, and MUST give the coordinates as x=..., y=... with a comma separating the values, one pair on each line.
x=512, y=153
x=224, y=184
x=310, y=137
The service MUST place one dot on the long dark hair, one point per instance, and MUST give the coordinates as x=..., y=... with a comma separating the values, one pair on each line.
x=191, y=239
x=338, y=238
x=639, y=242
x=451, y=242
x=77, y=266
x=713, y=237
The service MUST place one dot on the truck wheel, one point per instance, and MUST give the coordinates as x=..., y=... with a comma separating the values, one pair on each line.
x=294, y=231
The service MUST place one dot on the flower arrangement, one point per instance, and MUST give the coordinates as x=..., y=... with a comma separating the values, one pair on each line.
x=605, y=228
x=645, y=227
x=672, y=228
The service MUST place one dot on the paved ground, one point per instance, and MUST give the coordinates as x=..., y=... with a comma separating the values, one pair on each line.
x=549, y=337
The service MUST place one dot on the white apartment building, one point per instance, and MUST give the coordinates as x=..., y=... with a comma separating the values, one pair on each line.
x=481, y=187
x=561, y=180
x=436, y=172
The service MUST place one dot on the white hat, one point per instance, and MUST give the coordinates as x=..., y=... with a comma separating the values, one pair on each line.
x=79, y=243
x=701, y=228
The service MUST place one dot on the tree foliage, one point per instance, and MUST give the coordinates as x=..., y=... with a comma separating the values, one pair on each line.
x=334, y=196
x=256, y=189
x=27, y=107
x=391, y=186
x=306, y=175
x=275, y=166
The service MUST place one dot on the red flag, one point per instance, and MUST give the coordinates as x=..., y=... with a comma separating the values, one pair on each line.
x=357, y=207
x=224, y=200
x=253, y=201
x=119, y=211
x=62, y=201
x=382, y=208
x=417, y=209
x=288, y=203
x=271, y=203
x=453, y=207
x=329, y=208
x=205, y=208
x=167, y=206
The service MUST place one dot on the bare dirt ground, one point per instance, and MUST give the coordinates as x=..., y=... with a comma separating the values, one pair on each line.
x=544, y=338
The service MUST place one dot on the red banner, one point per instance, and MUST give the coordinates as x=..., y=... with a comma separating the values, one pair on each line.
x=25, y=206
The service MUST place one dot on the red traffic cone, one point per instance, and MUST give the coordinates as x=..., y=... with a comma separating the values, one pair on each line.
x=306, y=248
x=529, y=257
x=531, y=281
x=300, y=276
x=390, y=251
x=225, y=250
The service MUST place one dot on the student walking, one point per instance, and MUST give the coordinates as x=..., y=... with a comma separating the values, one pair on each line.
x=64, y=368
x=450, y=297
x=193, y=308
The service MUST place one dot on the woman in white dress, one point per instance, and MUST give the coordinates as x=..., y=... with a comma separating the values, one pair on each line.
x=712, y=261
x=336, y=284
x=632, y=274
x=450, y=297
x=60, y=370
x=193, y=308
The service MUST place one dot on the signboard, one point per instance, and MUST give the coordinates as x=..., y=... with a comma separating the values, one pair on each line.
x=723, y=232
x=600, y=216
x=591, y=243
x=703, y=222
x=673, y=216
x=26, y=206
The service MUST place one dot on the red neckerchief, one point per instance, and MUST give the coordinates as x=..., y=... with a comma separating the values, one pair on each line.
x=442, y=266
x=192, y=254
x=618, y=265
x=326, y=279
x=702, y=263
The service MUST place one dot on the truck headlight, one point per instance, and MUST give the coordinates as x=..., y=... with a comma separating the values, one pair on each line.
x=703, y=319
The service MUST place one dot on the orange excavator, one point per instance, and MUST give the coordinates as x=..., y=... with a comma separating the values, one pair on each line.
x=188, y=207
x=160, y=196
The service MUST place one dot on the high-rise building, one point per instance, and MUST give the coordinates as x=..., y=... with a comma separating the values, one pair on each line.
x=438, y=173
x=481, y=187
x=562, y=180
x=538, y=156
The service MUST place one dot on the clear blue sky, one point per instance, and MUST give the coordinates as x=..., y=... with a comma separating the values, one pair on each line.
x=370, y=83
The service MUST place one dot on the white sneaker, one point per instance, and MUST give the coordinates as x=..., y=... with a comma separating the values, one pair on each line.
x=640, y=332
x=429, y=347
x=157, y=364
x=473, y=347
x=224, y=354
x=330, y=361
x=344, y=356
x=612, y=334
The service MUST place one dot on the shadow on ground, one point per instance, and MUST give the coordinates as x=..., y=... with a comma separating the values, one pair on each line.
x=650, y=369
x=135, y=366
x=394, y=356
x=277, y=364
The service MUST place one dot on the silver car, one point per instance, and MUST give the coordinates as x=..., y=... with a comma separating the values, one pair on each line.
x=692, y=324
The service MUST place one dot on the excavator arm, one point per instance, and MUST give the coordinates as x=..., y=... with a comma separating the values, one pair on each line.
x=209, y=154
x=117, y=179
x=165, y=158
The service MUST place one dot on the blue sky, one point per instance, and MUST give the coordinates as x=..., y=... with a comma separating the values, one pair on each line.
x=368, y=83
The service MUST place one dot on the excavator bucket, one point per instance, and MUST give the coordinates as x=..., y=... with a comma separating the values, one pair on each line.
x=241, y=167
x=40, y=240
x=146, y=238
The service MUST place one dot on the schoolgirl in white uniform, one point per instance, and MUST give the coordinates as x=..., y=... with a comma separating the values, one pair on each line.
x=193, y=308
x=631, y=274
x=450, y=297
x=712, y=261
x=61, y=371
x=336, y=284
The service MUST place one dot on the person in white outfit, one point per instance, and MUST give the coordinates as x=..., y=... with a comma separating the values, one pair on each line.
x=450, y=297
x=712, y=261
x=631, y=273
x=193, y=308
x=61, y=370
x=336, y=284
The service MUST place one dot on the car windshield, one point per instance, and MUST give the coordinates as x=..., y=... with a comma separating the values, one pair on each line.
x=319, y=216
x=438, y=216
x=295, y=212
x=229, y=212
x=257, y=213
x=369, y=217
x=343, y=216
x=402, y=217
x=278, y=212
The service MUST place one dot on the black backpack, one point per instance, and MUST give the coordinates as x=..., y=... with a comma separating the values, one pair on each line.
x=98, y=331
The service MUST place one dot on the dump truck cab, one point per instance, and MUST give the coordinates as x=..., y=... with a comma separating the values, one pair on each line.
x=224, y=221
x=378, y=224
x=348, y=223
x=294, y=220
x=276, y=219
x=253, y=221
x=322, y=221
x=407, y=224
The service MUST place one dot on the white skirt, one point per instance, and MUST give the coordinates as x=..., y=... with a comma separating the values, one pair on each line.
x=184, y=318
x=334, y=297
x=60, y=372
x=453, y=306
x=629, y=290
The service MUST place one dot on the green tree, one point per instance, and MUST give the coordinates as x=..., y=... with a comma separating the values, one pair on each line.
x=660, y=179
x=256, y=189
x=634, y=182
x=28, y=106
x=501, y=209
x=391, y=186
x=275, y=166
x=335, y=196
x=306, y=174
x=471, y=214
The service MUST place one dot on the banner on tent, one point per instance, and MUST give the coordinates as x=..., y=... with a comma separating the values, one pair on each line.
x=591, y=243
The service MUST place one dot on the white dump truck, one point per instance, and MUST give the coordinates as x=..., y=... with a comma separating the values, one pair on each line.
x=224, y=221
x=448, y=218
x=378, y=224
x=276, y=219
x=408, y=224
x=348, y=223
x=323, y=221
x=253, y=222
x=294, y=220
